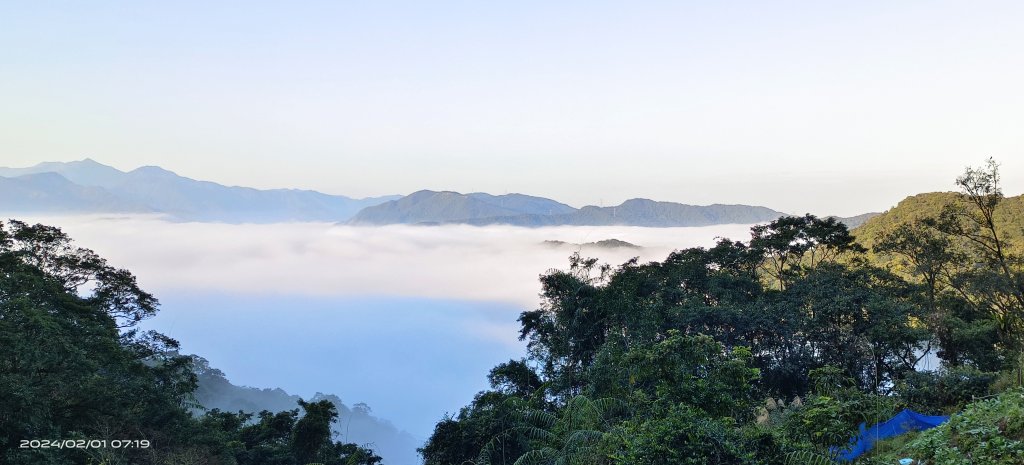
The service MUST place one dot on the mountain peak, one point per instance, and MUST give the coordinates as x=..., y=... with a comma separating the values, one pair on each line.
x=87, y=172
x=638, y=201
x=152, y=170
x=431, y=207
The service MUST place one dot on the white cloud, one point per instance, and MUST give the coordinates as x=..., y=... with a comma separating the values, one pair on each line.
x=494, y=263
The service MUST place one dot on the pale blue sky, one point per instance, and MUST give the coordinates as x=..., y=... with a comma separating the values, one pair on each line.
x=828, y=107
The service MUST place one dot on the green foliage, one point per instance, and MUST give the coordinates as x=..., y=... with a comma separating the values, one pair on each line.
x=889, y=451
x=515, y=378
x=682, y=434
x=947, y=390
x=567, y=331
x=823, y=422
x=793, y=243
x=572, y=435
x=66, y=371
x=967, y=249
x=832, y=413
x=988, y=432
x=313, y=432
x=719, y=292
x=805, y=457
x=51, y=252
x=692, y=370
x=461, y=438
x=1009, y=217
x=859, y=319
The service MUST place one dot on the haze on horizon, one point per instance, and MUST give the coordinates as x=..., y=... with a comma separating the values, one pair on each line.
x=802, y=106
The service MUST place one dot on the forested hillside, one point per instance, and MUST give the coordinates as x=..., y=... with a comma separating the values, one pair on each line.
x=356, y=424
x=769, y=351
x=1009, y=216
x=81, y=384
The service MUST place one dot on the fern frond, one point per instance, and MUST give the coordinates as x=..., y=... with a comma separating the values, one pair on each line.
x=806, y=457
x=536, y=457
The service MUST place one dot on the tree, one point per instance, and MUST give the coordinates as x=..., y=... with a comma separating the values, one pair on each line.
x=311, y=438
x=692, y=370
x=566, y=332
x=460, y=439
x=66, y=370
x=313, y=431
x=792, y=243
x=974, y=219
x=964, y=334
x=515, y=378
x=50, y=250
x=859, y=319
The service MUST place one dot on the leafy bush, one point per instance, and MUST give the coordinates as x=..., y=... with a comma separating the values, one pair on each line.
x=947, y=390
x=686, y=436
x=830, y=416
x=988, y=432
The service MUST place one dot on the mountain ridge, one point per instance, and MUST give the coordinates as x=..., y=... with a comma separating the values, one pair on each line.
x=447, y=207
x=179, y=197
x=87, y=186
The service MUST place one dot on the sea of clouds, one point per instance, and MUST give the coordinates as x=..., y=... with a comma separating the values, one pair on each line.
x=361, y=312
x=490, y=263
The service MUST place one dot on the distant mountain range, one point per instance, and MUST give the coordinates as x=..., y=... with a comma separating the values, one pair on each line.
x=430, y=207
x=87, y=186
x=90, y=187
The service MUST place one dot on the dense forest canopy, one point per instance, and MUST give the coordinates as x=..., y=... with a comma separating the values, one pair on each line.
x=767, y=351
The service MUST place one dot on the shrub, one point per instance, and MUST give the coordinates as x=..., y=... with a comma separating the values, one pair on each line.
x=988, y=432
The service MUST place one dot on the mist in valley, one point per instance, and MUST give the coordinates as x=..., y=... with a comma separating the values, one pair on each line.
x=404, y=319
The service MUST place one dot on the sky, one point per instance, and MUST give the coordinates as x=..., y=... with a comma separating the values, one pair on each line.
x=823, y=107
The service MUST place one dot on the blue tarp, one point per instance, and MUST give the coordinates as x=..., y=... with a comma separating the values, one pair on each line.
x=904, y=422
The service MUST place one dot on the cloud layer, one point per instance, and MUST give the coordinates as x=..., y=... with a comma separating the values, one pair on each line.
x=493, y=263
